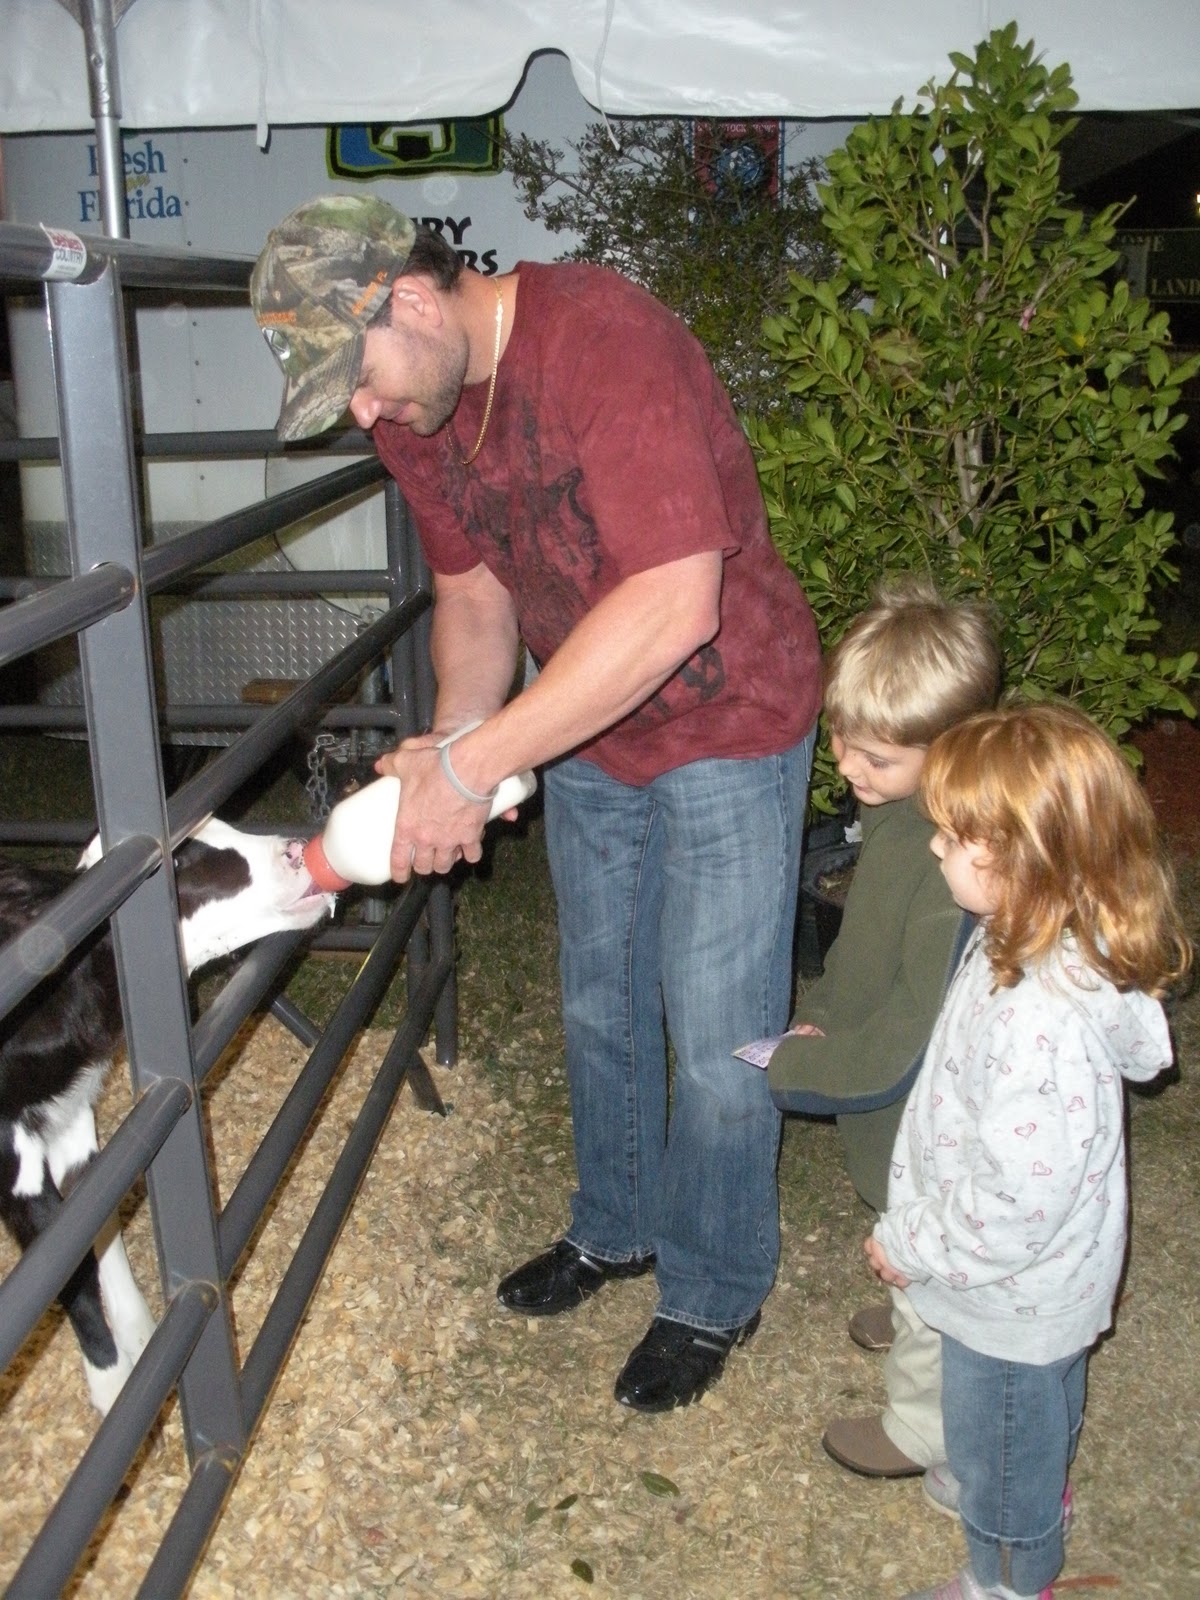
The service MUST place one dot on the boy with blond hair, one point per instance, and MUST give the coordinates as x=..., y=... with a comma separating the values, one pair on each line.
x=909, y=667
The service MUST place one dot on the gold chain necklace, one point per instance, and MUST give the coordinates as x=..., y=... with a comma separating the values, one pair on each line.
x=491, y=394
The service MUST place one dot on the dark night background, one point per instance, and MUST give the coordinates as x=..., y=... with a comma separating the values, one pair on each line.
x=1153, y=156
x=1153, y=160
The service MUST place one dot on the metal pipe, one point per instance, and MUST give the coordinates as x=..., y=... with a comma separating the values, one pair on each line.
x=53, y=1256
x=116, y=666
x=207, y=445
x=68, y=919
x=191, y=717
x=399, y=561
x=29, y=252
x=237, y=585
x=55, y=1553
x=205, y=792
x=74, y=603
x=352, y=939
x=100, y=42
x=213, y=1473
x=258, y=1182
x=294, y=1020
x=161, y=563
x=300, y=1280
x=69, y=834
x=250, y=982
x=225, y=586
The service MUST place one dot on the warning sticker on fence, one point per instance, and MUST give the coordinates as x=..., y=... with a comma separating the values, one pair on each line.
x=70, y=253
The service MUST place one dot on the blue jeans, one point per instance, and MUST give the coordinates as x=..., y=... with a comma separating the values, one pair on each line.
x=677, y=905
x=1011, y=1432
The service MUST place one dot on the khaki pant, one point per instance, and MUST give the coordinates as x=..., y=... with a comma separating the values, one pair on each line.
x=912, y=1372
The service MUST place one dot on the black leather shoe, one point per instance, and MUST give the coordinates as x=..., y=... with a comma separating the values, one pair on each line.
x=675, y=1363
x=561, y=1278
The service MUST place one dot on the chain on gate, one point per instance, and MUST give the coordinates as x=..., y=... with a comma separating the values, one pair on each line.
x=316, y=785
x=324, y=787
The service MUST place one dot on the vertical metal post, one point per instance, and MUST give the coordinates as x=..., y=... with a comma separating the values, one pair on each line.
x=405, y=687
x=400, y=579
x=445, y=1015
x=416, y=708
x=95, y=431
x=440, y=914
x=420, y=577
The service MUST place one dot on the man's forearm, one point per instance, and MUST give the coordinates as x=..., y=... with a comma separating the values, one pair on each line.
x=615, y=658
x=474, y=653
x=611, y=662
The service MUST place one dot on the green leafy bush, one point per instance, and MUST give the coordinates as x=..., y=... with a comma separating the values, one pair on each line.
x=975, y=395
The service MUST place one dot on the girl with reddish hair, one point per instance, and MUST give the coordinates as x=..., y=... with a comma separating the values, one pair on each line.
x=1007, y=1205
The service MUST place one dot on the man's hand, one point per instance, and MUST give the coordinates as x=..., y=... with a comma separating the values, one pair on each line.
x=881, y=1266
x=435, y=826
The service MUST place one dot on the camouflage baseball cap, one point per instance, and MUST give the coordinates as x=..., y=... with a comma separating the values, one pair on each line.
x=323, y=274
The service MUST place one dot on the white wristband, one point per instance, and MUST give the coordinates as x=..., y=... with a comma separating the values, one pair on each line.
x=452, y=777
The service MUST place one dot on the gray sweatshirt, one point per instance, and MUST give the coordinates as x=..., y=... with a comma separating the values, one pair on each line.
x=1007, y=1198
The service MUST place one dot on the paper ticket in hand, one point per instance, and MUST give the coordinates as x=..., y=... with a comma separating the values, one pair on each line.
x=759, y=1051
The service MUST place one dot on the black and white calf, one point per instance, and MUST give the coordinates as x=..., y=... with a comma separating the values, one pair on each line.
x=57, y=1045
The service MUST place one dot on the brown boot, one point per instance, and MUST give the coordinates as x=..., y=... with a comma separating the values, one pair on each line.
x=871, y=1328
x=861, y=1444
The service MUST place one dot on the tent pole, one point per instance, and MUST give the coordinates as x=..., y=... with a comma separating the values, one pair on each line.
x=100, y=40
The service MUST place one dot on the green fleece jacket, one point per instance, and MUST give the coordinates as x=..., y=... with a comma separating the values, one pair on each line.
x=877, y=999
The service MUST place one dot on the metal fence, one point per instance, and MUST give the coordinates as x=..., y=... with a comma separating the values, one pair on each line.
x=105, y=602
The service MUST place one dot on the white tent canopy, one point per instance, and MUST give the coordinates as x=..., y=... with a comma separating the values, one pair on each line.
x=214, y=63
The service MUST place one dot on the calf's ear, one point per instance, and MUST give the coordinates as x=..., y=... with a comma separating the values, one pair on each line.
x=205, y=873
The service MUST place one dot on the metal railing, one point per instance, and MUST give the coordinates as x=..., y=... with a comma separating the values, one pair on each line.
x=105, y=600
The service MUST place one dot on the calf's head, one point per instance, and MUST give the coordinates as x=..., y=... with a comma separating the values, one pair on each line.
x=236, y=887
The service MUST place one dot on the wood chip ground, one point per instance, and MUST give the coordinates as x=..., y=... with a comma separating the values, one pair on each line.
x=424, y=1442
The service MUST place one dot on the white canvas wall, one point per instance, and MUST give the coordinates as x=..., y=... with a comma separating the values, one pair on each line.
x=197, y=63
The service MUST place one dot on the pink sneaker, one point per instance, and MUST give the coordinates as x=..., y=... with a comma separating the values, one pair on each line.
x=965, y=1586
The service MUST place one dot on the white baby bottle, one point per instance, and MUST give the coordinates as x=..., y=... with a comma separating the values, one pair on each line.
x=356, y=844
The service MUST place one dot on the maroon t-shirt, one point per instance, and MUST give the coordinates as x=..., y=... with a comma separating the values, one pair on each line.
x=612, y=448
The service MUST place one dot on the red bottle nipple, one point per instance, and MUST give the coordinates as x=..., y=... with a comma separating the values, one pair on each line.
x=317, y=865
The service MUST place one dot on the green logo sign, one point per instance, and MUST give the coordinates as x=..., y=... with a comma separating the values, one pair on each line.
x=367, y=150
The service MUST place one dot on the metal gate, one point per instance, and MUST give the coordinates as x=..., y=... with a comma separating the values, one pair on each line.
x=105, y=602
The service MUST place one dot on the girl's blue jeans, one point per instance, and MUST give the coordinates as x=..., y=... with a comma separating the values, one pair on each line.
x=1011, y=1432
x=677, y=906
